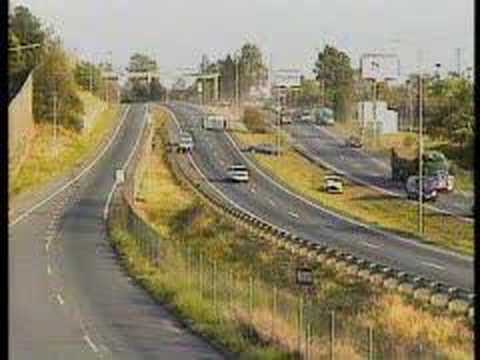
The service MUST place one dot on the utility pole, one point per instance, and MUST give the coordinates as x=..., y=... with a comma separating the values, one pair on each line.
x=420, y=154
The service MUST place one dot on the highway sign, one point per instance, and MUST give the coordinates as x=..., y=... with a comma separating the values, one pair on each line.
x=380, y=67
x=304, y=276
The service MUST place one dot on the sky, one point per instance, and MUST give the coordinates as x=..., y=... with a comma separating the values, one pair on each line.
x=290, y=32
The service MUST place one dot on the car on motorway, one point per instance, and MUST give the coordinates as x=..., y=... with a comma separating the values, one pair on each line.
x=444, y=181
x=324, y=116
x=306, y=115
x=333, y=183
x=412, y=186
x=354, y=142
x=185, y=144
x=214, y=122
x=238, y=173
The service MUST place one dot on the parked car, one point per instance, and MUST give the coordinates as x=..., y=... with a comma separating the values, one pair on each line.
x=185, y=143
x=238, y=173
x=429, y=188
x=354, y=142
x=333, y=183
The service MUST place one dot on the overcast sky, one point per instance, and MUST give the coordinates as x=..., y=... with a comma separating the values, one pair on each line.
x=177, y=32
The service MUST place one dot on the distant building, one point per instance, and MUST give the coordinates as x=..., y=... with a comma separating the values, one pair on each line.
x=386, y=120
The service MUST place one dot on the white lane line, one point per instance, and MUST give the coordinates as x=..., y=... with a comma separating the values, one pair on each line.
x=90, y=343
x=60, y=299
x=49, y=269
x=293, y=214
x=115, y=184
x=433, y=265
x=383, y=190
x=371, y=245
x=338, y=216
x=271, y=202
x=81, y=174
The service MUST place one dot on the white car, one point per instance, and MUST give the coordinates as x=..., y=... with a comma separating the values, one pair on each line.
x=238, y=173
x=333, y=184
x=306, y=116
x=186, y=143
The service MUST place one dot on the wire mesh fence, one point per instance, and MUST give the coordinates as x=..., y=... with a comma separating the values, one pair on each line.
x=265, y=311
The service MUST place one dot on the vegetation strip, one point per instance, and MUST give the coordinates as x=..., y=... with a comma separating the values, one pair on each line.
x=359, y=202
x=172, y=273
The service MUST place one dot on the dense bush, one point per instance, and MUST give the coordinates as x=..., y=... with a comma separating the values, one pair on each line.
x=254, y=120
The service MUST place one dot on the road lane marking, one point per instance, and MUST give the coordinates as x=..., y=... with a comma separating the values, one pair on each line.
x=125, y=165
x=60, y=299
x=49, y=269
x=383, y=190
x=90, y=343
x=76, y=178
x=371, y=245
x=271, y=202
x=433, y=265
x=344, y=218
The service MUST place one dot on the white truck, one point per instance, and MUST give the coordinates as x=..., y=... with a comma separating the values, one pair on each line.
x=214, y=122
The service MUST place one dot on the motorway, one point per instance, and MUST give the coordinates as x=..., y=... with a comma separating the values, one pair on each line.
x=328, y=147
x=69, y=298
x=214, y=151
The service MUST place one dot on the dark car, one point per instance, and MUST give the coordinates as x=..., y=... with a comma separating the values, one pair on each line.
x=354, y=142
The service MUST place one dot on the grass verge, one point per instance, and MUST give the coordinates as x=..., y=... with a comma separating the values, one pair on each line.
x=360, y=202
x=42, y=166
x=222, y=280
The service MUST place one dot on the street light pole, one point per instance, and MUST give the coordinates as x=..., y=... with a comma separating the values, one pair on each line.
x=420, y=154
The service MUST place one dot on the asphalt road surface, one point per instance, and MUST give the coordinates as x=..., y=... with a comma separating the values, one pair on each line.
x=323, y=144
x=214, y=152
x=68, y=296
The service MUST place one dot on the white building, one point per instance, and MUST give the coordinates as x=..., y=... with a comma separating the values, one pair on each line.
x=387, y=120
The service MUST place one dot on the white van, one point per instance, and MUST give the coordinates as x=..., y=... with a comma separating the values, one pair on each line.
x=214, y=122
x=238, y=173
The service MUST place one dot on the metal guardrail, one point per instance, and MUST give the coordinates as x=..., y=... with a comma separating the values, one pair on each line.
x=442, y=296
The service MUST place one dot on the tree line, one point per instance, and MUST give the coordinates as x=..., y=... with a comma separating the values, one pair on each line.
x=37, y=49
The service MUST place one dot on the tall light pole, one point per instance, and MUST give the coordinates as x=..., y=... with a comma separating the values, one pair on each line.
x=420, y=154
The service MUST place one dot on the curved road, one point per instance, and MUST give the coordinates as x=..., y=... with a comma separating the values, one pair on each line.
x=68, y=296
x=214, y=151
x=328, y=147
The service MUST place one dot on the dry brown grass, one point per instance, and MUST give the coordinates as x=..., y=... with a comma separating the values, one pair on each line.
x=357, y=304
x=360, y=202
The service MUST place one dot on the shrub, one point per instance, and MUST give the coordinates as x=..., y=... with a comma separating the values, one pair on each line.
x=254, y=120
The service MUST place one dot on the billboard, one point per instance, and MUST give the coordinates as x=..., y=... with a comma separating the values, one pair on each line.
x=380, y=67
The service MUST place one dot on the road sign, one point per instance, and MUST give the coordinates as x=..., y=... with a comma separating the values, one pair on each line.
x=304, y=276
x=380, y=67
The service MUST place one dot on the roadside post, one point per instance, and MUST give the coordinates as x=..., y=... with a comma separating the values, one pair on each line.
x=304, y=280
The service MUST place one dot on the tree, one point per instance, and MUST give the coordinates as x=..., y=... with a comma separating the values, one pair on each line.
x=252, y=70
x=55, y=76
x=88, y=75
x=28, y=30
x=310, y=93
x=16, y=59
x=143, y=88
x=333, y=68
x=449, y=109
x=142, y=63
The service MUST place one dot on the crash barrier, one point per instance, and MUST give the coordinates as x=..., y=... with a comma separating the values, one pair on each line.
x=20, y=122
x=458, y=301
x=296, y=322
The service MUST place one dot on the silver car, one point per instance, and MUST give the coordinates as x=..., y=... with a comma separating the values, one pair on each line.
x=238, y=173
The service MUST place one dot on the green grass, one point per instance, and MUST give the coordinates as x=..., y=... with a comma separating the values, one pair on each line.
x=362, y=203
x=41, y=165
x=186, y=223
